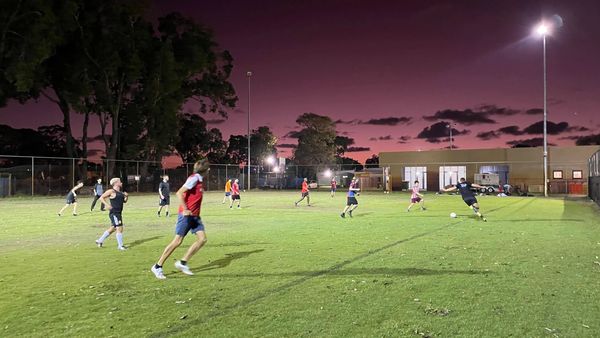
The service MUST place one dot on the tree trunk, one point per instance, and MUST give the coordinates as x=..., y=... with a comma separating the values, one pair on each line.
x=84, y=141
x=66, y=111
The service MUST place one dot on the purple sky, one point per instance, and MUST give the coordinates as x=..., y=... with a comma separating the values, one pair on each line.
x=375, y=64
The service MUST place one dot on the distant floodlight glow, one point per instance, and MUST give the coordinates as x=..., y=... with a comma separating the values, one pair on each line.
x=276, y=169
x=271, y=160
x=328, y=173
x=542, y=29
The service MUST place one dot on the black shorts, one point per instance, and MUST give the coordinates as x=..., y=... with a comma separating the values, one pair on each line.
x=235, y=197
x=352, y=201
x=304, y=194
x=116, y=219
x=164, y=201
x=71, y=198
x=470, y=201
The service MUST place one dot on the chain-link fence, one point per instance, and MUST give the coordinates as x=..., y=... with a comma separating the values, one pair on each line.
x=594, y=179
x=42, y=176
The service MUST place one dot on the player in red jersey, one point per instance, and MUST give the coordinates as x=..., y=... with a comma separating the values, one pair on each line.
x=305, y=193
x=235, y=193
x=333, y=187
x=190, y=200
x=416, y=197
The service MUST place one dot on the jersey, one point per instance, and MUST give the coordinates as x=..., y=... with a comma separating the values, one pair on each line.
x=228, y=186
x=304, y=187
x=164, y=188
x=235, y=189
x=193, y=196
x=352, y=193
x=415, y=191
x=465, y=190
x=98, y=189
x=116, y=203
x=333, y=184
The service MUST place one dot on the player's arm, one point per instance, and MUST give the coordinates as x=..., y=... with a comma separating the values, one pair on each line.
x=180, y=193
x=106, y=194
x=475, y=185
x=449, y=189
x=126, y=197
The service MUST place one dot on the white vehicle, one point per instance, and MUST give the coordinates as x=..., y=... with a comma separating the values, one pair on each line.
x=490, y=182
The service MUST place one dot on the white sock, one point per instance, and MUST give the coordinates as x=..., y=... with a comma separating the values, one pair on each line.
x=120, y=239
x=103, y=237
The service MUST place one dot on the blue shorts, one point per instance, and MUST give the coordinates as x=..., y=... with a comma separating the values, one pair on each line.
x=186, y=224
x=227, y=194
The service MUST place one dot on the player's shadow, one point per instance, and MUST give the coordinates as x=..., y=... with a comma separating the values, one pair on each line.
x=225, y=261
x=239, y=244
x=363, y=214
x=142, y=241
x=390, y=272
x=543, y=220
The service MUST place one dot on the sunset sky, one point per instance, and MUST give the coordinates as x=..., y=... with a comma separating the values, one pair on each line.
x=389, y=72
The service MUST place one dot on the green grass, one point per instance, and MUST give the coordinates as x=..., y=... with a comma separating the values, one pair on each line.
x=274, y=270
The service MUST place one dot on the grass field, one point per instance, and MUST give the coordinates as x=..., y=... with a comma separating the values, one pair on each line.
x=274, y=270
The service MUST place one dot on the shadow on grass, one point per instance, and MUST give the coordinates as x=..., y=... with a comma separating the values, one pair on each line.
x=239, y=244
x=225, y=261
x=361, y=214
x=358, y=272
x=142, y=241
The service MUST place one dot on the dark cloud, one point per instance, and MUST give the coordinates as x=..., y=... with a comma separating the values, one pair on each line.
x=403, y=139
x=287, y=146
x=588, y=140
x=488, y=135
x=357, y=149
x=381, y=138
x=467, y=117
x=511, y=130
x=554, y=101
x=292, y=134
x=385, y=121
x=530, y=142
x=437, y=131
x=534, y=111
x=215, y=121
x=490, y=109
x=552, y=128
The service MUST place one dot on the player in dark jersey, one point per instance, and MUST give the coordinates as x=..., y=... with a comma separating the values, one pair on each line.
x=468, y=196
x=115, y=207
x=188, y=220
x=164, y=195
x=72, y=199
x=98, y=191
x=352, y=202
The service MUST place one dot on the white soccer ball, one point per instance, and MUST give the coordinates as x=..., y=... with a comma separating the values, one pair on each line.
x=453, y=215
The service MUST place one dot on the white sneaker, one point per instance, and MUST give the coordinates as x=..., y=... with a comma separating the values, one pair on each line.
x=183, y=268
x=158, y=272
x=122, y=248
x=99, y=244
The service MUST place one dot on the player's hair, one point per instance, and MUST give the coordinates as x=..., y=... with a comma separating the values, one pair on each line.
x=462, y=179
x=114, y=180
x=416, y=181
x=79, y=182
x=165, y=176
x=202, y=165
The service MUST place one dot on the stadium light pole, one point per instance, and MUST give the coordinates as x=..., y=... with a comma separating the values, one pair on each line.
x=249, y=75
x=449, y=126
x=542, y=30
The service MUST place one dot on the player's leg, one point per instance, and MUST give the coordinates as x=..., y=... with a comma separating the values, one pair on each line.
x=343, y=214
x=167, y=208
x=352, y=208
x=475, y=207
x=410, y=206
x=105, y=235
x=198, y=230
x=63, y=209
x=308, y=199
x=160, y=207
x=74, y=208
x=175, y=243
x=224, y=199
x=94, y=202
x=300, y=200
x=423, y=204
x=120, y=237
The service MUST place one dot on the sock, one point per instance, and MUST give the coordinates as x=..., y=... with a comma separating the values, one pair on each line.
x=103, y=237
x=167, y=213
x=120, y=239
x=156, y=266
x=183, y=262
x=159, y=213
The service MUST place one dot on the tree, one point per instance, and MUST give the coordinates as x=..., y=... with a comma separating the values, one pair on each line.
x=316, y=142
x=373, y=161
x=197, y=141
x=262, y=144
x=348, y=163
x=342, y=143
x=237, y=149
x=45, y=141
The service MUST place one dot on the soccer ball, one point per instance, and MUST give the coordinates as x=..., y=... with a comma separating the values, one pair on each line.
x=453, y=215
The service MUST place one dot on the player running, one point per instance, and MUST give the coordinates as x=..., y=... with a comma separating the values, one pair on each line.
x=333, y=187
x=235, y=194
x=164, y=193
x=117, y=198
x=351, y=203
x=72, y=199
x=98, y=191
x=188, y=219
x=468, y=196
x=228, y=193
x=416, y=197
x=305, y=193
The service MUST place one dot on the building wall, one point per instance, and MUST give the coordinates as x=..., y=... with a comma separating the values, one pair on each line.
x=525, y=164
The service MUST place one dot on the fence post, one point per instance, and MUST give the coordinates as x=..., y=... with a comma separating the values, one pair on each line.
x=32, y=176
x=72, y=172
x=137, y=174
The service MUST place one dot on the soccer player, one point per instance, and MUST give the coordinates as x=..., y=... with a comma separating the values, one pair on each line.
x=305, y=193
x=351, y=203
x=416, y=197
x=468, y=196
x=333, y=187
x=228, y=193
x=115, y=208
x=235, y=194
x=188, y=220
x=72, y=199
x=164, y=193
x=98, y=190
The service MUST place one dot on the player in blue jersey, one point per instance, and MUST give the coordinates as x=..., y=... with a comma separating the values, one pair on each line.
x=351, y=201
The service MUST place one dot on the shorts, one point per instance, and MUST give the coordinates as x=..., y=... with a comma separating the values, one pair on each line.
x=415, y=200
x=470, y=201
x=352, y=201
x=305, y=194
x=116, y=219
x=164, y=201
x=333, y=189
x=71, y=198
x=227, y=193
x=186, y=224
x=235, y=197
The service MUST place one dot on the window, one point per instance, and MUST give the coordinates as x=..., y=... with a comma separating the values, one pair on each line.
x=577, y=174
x=412, y=174
x=557, y=174
x=449, y=175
